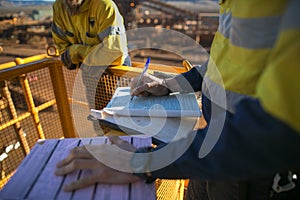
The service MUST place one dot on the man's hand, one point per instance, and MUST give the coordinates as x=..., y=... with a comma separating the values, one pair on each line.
x=73, y=56
x=149, y=85
x=93, y=159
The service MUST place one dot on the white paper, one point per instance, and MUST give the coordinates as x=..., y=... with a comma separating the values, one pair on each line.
x=173, y=105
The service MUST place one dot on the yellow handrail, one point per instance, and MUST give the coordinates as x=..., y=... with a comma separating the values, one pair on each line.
x=55, y=67
x=19, y=61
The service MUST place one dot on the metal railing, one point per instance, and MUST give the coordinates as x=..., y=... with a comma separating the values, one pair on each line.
x=33, y=97
x=36, y=100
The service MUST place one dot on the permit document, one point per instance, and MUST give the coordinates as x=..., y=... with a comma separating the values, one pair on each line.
x=173, y=105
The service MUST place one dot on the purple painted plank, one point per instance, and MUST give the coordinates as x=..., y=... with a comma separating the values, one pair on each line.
x=102, y=191
x=141, y=190
x=120, y=192
x=109, y=191
x=126, y=138
x=68, y=179
x=142, y=141
x=28, y=171
x=99, y=140
x=88, y=192
x=48, y=185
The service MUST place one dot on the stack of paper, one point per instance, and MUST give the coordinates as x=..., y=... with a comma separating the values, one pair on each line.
x=173, y=105
x=159, y=117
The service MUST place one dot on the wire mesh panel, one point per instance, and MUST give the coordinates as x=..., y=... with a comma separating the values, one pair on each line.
x=27, y=113
x=103, y=90
x=168, y=189
x=106, y=88
x=86, y=92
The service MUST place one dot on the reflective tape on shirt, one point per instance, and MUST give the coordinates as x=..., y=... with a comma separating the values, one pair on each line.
x=291, y=19
x=225, y=24
x=218, y=95
x=112, y=30
x=58, y=31
x=254, y=33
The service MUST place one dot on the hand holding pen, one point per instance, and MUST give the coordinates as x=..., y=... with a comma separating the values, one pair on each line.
x=142, y=75
x=147, y=84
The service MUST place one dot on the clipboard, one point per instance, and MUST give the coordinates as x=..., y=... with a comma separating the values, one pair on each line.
x=162, y=130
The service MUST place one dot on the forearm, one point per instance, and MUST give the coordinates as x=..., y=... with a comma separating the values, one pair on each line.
x=78, y=52
x=112, y=51
x=252, y=144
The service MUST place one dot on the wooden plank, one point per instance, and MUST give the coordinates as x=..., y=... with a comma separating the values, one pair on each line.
x=88, y=192
x=141, y=190
x=48, y=184
x=113, y=192
x=68, y=179
x=141, y=141
x=28, y=171
x=99, y=140
x=35, y=178
x=121, y=192
x=102, y=190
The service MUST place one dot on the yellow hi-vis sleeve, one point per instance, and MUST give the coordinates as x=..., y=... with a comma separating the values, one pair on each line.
x=279, y=87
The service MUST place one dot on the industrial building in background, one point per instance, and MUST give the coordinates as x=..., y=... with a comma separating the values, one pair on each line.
x=21, y=23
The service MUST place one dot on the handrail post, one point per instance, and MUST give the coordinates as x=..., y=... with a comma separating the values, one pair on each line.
x=60, y=92
x=30, y=103
x=12, y=111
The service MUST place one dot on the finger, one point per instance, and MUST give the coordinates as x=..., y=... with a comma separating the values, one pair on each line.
x=115, y=139
x=121, y=143
x=139, y=90
x=152, y=85
x=133, y=82
x=145, y=94
x=76, y=164
x=81, y=183
x=77, y=152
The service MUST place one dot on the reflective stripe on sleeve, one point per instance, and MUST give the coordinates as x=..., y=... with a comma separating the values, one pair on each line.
x=217, y=94
x=112, y=30
x=225, y=24
x=58, y=31
x=291, y=19
x=254, y=33
x=66, y=58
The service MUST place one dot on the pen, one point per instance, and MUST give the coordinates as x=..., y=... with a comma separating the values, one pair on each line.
x=142, y=74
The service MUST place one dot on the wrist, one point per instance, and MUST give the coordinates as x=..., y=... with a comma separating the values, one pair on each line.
x=140, y=164
x=178, y=84
x=170, y=84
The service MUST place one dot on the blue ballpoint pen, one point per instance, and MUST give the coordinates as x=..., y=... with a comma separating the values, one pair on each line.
x=142, y=74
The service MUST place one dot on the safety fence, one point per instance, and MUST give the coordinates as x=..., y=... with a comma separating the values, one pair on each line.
x=36, y=102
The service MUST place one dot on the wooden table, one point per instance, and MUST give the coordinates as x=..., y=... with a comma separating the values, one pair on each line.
x=35, y=178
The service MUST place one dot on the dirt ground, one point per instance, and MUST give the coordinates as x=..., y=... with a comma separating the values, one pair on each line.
x=11, y=50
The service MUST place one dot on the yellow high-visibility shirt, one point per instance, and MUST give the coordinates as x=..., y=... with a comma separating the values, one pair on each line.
x=254, y=54
x=95, y=36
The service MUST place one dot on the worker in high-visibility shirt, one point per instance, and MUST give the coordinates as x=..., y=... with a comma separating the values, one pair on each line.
x=90, y=35
x=89, y=32
x=250, y=93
